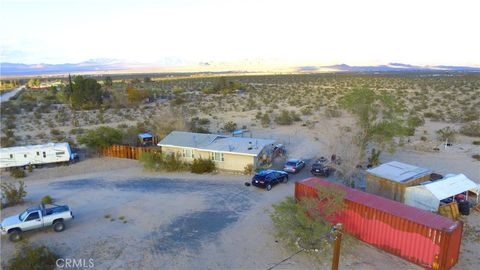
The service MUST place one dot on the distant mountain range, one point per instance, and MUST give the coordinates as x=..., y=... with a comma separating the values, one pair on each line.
x=118, y=66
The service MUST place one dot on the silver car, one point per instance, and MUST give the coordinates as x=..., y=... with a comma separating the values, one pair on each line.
x=293, y=165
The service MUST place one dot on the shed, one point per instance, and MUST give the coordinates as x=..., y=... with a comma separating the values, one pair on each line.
x=428, y=196
x=390, y=180
x=145, y=138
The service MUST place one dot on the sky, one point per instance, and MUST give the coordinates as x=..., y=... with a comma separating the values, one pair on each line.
x=366, y=32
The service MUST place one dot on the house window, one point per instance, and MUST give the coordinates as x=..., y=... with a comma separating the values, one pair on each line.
x=188, y=153
x=217, y=156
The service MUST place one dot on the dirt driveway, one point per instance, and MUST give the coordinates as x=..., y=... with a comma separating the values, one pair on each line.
x=129, y=219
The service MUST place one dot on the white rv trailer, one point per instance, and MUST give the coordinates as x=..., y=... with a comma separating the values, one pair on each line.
x=35, y=154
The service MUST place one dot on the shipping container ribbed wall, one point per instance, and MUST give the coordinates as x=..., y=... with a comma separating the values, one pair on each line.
x=418, y=236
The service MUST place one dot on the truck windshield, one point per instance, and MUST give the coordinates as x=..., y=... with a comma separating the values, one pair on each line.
x=23, y=215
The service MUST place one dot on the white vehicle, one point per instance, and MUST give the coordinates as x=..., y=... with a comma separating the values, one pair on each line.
x=36, y=217
x=21, y=156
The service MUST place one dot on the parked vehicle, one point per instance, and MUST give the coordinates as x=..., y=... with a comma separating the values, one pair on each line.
x=268, y=178
x=293, y=165
x=36, y=217
x=21, y=156
x=321, y=168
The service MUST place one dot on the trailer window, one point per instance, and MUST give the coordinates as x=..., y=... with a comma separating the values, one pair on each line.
x=11, y=155
x=38, y=153
x=24, y=155
x=44, y=154
x=60, y=153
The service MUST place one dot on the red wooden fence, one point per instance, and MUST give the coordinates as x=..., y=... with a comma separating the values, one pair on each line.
x=126, y=151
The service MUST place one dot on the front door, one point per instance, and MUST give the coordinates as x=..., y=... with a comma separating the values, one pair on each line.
x=33, y=221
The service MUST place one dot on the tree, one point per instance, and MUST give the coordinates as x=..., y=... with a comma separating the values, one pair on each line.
x=108, y=82
x=85, y=93
x=101, y=137
x=378, y=118
x=135, y=95
x=303, y=223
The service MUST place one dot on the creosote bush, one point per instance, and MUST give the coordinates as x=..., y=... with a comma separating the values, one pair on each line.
x=248, y=170
x=47, y=200
x=162, y=162
x=200, y=165
x=29, y=257
x=303, y=222
x=12, y=194
x=17, y=173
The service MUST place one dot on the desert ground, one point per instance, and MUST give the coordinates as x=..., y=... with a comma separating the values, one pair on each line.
x=213, y=221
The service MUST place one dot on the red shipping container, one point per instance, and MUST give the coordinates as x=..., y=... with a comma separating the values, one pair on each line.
x=413, y=234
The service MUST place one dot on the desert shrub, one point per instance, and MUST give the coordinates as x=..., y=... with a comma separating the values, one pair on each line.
x=476, y=142
x=446, y=133
x=476, y=156
x=161, y=162
x=333, y=112
x=423, y=139
x=13, y=194
x=230, y=126
x=178, y=101
x=200, y=165
x=265, y=120
x=471, y=129
x=29, y=257
x=46, y=200
x=17, y=173
x=303, y=223
x=248, y=170
x=101, y=137
x=374, y=159
x=284, y=118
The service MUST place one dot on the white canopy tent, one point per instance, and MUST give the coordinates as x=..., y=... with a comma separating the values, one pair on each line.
x=428, y=196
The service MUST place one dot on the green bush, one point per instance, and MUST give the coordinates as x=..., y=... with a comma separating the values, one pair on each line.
x=101, y=137
x=47, y=200
x=476, y=142
x=161, y=162
x=284, y=118
x=471, y=129
x=230, y=126
x=13, y=194
x=476, y=156
x=202, y=166
x=28, y=257
x=248, y=170
x=446, y=133
x=17, y=173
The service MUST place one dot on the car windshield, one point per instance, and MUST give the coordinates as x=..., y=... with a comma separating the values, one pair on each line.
x=23, y=215
x=291, y=163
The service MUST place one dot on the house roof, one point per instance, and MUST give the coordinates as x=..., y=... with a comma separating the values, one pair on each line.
x=145, y=135
x=62, y=145
x=450, y=186
x=398, y=171
x=215, y=142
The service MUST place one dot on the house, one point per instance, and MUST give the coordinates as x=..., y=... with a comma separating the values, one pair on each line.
x=390, y=180
x=428, y=195
x=228, y=153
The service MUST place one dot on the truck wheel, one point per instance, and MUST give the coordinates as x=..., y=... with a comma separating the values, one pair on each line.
x=14, y=236
x=269, y=187
x=58, y=226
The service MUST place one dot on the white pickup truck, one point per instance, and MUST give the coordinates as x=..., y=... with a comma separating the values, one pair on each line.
x=36, y=217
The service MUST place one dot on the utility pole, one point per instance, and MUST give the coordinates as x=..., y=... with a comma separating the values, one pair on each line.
x=337, y=234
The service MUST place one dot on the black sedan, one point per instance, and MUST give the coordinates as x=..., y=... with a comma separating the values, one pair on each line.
x=268, y=178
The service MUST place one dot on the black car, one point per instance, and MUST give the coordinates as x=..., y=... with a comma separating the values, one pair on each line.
x=268, y=178
x=321, y=168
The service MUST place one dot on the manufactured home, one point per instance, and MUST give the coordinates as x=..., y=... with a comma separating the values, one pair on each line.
x=20, y=156
x=228, y=153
